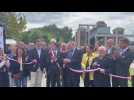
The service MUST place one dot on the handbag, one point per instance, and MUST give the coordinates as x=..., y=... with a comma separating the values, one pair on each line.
x=17, y=76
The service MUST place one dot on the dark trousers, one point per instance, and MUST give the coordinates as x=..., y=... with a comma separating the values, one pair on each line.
x=4, y=79
x=53, y=77
x=87, y=82
x=71, y=79
x=115, y=82
x=132, y=81
x=65, y=78
x=119, y=82
x=101, y=80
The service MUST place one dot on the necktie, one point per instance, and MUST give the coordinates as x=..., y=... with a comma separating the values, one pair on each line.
x=73, y=52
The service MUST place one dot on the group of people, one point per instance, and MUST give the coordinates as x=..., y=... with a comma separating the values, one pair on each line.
x=111, y=60
x=30, y=62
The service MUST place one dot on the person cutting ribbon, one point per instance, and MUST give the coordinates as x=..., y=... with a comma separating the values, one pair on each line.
x=72, y=60
x=101, y=77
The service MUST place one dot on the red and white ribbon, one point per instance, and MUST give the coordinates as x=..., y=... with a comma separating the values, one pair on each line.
x=93, y=70
x=81, y=71
x=121, y=77
x=17, y=61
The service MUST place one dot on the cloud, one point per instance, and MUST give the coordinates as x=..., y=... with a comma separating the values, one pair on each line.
x=73, y=19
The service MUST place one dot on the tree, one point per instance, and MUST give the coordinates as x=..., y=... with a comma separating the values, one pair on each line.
x=15, y=23
x=47, y=32
x=118, y=31
x=66, y=34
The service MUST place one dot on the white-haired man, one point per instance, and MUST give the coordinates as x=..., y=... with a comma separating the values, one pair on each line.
x=101, y=79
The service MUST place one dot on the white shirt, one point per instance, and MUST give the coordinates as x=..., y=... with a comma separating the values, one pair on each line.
x=20, y=61
x=123, y=50
x=4, y=63
x=39, y=52
x=109, y=50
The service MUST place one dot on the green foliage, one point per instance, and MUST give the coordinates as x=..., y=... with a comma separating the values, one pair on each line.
x=15, y=23
x=47, y=32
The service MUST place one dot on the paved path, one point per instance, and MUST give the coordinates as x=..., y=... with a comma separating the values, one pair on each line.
x=44, y=82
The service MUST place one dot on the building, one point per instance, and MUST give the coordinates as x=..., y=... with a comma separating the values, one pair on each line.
x=86, y=33
x=89, y=34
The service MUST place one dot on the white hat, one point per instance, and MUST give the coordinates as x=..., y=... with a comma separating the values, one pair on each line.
x=53, y=40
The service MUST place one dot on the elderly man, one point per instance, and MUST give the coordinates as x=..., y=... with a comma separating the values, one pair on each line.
x=110, y=46
x=65, y=69
x=101, y=79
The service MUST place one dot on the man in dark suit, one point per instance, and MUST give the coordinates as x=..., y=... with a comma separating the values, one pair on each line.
x=39, y=57
x=116, y=66
x=101, y=78
x=127, y=57
x=72, y=60
x=54, y=65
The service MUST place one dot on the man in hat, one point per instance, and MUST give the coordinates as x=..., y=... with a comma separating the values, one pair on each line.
x=54, y=65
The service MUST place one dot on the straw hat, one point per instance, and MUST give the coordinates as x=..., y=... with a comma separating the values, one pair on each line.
x=53, y=40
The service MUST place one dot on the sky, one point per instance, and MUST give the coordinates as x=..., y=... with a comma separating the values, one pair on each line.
x=73, y=19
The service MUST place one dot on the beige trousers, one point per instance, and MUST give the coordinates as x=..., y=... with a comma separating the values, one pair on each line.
x=36, y=78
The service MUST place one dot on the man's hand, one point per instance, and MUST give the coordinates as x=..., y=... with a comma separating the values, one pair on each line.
x=26, y=59
x=66, y=61
x=34, y=61
x=130, y=78
x=102, y=71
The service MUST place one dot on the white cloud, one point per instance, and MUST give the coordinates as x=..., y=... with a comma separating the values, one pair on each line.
x=73, y=19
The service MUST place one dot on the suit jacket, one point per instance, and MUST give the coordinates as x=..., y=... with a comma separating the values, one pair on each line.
x=59, y=61
x=127, y=58
x=41, y=61
x=102, y=80
x=76, y=59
